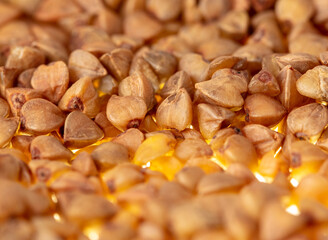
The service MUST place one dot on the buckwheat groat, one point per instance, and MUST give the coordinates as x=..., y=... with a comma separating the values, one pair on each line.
x=290, y=96
x=264, y=82
x=80, y=131
x=48, y=147
x=81, y=96
x=237, y=148
x=108, y=155
x=137, y=85
x=264, y=139
x=51, y=81
x=108, y=85
x=139, y=24
x=23, y=58
x=263, y=109
x=175, y=111
x=308, y=120
x=131, y=139
x=118, y=62
x=178, y=80
x=84, y=164
x=313, y=84
x=82, y=63
x=126, y=112
x=299, y=61
x=17, y=97
x=211, y=118
x=222, y=91
x=194, y=65
x=41, y=116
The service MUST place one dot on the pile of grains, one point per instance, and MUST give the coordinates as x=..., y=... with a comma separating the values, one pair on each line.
x=163, y=119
